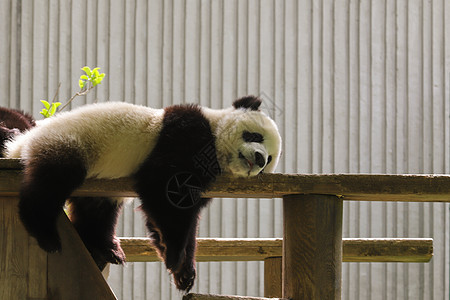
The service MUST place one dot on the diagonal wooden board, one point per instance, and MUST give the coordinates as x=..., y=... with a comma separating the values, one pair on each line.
x=73, y=274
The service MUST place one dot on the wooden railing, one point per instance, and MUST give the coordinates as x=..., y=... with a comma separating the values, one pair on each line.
x=251, y=249
x=312, y=248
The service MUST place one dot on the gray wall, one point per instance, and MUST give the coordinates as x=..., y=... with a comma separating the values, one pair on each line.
x=355, y=86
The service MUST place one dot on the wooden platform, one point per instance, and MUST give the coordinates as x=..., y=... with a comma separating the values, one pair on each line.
x=312, y=242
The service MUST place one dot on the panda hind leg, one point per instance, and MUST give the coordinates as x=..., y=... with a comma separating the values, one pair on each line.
x=46, y=185
x=95, y=220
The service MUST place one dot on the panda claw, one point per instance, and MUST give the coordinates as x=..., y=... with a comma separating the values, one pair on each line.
x=184, y=279
x=102, y=256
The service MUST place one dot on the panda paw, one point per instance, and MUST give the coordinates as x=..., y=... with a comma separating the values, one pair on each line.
x=184, y=278
x=50, y=243
x=108, y=254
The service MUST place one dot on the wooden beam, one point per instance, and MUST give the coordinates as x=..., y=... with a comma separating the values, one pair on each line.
x=273, y=277
x=354, y=250
x=357, y=187
x=312, y=247
x=387, y=250
x=220, y=297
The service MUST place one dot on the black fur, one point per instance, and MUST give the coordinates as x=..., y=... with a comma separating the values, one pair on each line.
x=48, y=180
x=13, y=121
x=13, y=118
x=5, y=135
x=184, y=135
x=248, y=102
x=95, y=219
x=252, y=137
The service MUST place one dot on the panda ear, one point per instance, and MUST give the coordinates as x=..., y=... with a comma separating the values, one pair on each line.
x=248, y=102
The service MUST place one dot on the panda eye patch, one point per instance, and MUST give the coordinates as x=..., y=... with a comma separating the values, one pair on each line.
x=269, y=159
x=252, y=137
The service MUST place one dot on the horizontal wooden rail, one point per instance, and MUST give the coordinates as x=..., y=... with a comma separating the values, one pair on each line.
x=354, y=250
x=220, y=297
x=359, y=187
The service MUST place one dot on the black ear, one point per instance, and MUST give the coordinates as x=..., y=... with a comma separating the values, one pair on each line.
x=250, y=102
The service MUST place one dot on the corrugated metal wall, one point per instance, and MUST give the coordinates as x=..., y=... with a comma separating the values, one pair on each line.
x=355, y=86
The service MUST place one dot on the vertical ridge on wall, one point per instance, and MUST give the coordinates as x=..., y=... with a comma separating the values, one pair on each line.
x=355, y=86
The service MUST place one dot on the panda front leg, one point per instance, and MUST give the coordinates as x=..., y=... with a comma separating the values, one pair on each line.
x=185, y=275
x=95, y=219
x=173, y=233
x=47, y=183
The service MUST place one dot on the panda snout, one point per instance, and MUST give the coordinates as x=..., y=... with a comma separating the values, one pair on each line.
x=260, y=160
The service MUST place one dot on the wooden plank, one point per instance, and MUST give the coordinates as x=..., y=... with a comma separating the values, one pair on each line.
x=354, y=250
x=387, y=250
x=73, y=274
x=220, y=297
x=273, y=278
x=413, y=188
x=13, y=253
x=209, y=249
x=37, y=271
x=312, y=247
x=355, y=187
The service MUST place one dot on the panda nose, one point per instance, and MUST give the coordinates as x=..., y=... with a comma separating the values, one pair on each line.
x=259, y=159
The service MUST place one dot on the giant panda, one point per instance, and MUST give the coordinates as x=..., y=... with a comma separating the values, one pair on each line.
x=173, y=155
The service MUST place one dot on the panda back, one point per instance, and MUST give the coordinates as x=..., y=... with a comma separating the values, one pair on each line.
x=114, y=138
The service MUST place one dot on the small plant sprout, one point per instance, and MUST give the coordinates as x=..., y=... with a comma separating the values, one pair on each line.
x=87, y=82
x=50, y=109
x=93, y=77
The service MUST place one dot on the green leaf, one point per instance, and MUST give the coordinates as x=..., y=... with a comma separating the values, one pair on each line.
x=84, y=77
x=81, y=84
x=46, y=104
x=100, y=77
x=44, y=112
x=53, y=108
x=87, y=70
x=95, y=74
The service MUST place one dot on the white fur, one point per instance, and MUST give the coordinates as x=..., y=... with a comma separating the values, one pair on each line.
x=115, y=138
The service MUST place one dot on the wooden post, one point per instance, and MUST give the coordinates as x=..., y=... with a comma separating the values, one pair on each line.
x=23, y=265
x=312, y=247
x=273, y=277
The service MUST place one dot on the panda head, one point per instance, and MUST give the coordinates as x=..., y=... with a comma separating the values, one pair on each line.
x=247, y=140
